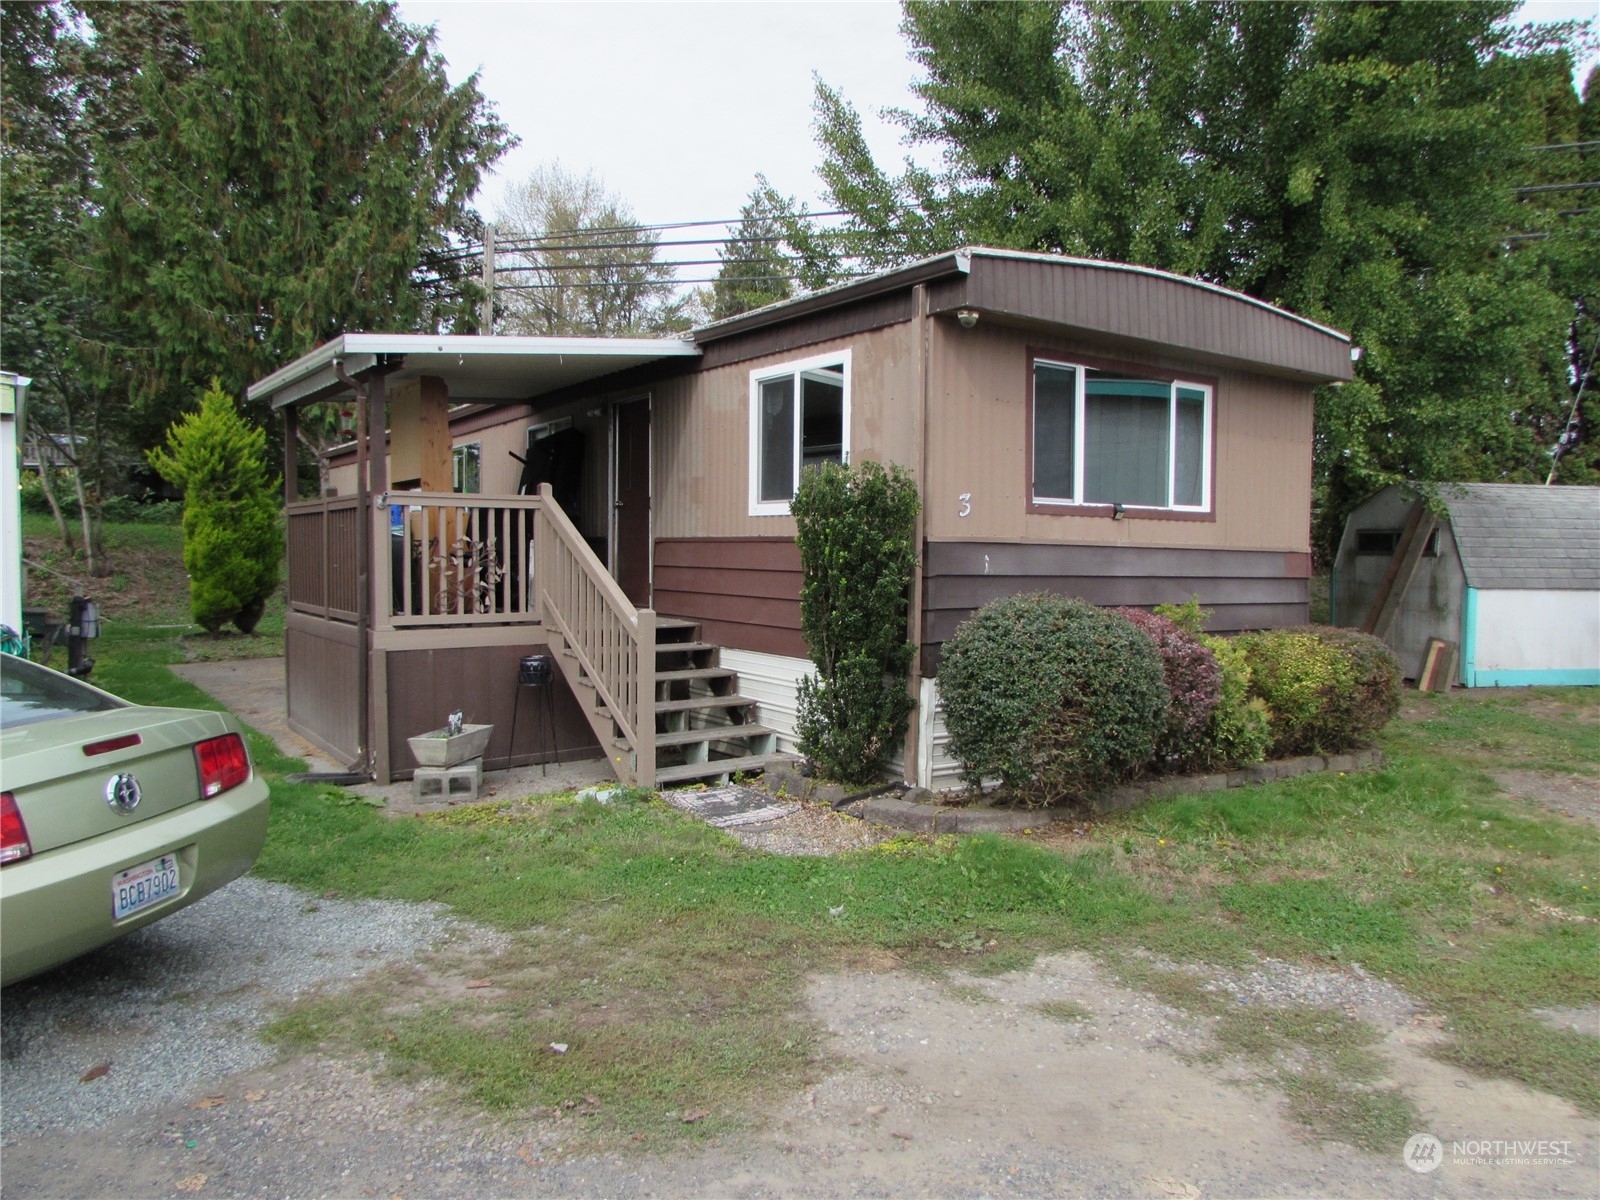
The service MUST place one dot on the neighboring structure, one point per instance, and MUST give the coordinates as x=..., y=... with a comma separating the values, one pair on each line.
x=13, y=405
x=1509, y=573
x=1112, y=432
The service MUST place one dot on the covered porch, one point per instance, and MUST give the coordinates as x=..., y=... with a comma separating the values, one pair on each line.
x=408, y=600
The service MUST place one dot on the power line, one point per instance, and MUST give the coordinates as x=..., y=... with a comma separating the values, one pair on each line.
x=1565, y=146
x=540, y=287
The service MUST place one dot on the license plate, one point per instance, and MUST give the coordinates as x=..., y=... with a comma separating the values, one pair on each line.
x=139, y=887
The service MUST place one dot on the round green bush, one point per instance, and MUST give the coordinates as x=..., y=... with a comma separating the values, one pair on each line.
x=1327, y=689
x=1371, y=701
x=1053, y=698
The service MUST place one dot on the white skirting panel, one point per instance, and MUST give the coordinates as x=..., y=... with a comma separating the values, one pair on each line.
x=773, y=681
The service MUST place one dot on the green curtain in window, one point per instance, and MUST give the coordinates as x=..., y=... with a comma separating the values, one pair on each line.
x=1126, y=438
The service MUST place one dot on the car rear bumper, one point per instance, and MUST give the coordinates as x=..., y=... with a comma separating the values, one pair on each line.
x=57, y=905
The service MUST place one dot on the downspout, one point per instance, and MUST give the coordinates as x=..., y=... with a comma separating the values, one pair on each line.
x=363, y=760
x=914, y=749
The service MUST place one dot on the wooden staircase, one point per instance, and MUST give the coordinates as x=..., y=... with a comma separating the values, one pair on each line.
x=662, y=707
x=704, y=729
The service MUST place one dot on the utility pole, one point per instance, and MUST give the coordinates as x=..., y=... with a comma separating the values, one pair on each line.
x=486, y=323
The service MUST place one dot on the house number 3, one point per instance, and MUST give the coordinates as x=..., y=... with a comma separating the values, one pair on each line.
x=966, y=505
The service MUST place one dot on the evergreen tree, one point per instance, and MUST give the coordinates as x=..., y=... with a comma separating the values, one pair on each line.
x=279, y=181
x=232, y=530
x=755, y=270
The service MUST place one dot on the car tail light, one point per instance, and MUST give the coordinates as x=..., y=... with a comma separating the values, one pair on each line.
x=223, y=764
x=14, y=844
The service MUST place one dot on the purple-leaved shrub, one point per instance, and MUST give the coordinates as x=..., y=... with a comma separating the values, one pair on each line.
x=1194, y=681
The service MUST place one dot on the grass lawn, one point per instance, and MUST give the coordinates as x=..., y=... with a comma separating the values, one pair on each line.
x=669, y=959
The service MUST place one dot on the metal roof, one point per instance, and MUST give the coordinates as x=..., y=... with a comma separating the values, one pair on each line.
x=1524, y=536
x=1122, y=301
x=475, y=367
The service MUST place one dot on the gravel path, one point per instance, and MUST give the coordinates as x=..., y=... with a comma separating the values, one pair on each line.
x=178, y=1003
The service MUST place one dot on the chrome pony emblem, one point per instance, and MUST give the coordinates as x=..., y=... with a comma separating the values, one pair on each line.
x=122, y=793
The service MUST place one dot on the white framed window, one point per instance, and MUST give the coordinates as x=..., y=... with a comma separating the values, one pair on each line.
x=1111, y=438
x=799, y=417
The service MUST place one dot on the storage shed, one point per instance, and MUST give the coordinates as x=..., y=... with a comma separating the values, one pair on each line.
x=1509, y=573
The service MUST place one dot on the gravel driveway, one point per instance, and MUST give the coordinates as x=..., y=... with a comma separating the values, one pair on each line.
x=960, y=1087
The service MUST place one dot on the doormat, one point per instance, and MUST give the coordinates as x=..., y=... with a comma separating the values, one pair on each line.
x=724, y=807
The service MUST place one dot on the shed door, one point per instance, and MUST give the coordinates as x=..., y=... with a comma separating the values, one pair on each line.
x=630, y=558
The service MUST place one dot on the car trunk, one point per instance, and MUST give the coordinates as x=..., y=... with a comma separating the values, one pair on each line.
x=61, y=792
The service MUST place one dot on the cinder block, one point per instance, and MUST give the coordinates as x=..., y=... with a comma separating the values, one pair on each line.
x=460, y=782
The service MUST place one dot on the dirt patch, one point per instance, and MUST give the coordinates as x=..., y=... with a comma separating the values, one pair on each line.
x=1578, y=796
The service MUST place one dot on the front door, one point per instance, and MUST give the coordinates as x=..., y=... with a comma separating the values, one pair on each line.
x=630, y=500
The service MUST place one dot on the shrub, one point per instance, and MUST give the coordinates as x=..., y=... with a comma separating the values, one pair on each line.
x=1372, y=698
x=232, y=535
x=1298, y=675
x=1194, y=682
x=1241, y=725
x=1328, y=689
x=856, y=530
x=1054, y=698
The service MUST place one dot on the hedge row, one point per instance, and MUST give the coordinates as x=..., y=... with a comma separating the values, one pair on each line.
x=1056, y=700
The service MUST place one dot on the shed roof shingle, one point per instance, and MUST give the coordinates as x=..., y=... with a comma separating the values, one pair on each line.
x=1523, y=535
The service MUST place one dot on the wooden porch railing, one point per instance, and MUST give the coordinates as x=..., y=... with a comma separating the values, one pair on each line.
x=612, y=641
x=324, y=549
x=453, y=559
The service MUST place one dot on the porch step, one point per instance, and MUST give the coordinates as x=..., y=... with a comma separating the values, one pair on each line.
x=685, y=648
x=706, y=733
x=716, y=767
x=692, y=674
x=702, y=704
x=677, y=627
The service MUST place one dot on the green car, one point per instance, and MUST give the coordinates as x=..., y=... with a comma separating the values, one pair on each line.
x=111, y=815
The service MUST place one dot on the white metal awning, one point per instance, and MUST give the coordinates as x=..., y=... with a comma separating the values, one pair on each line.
x=475, y=367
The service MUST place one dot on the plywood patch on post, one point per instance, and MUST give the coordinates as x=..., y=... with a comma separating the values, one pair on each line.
x=419, y=434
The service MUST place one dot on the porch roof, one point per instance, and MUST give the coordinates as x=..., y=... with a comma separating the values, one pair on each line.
x=475, y=367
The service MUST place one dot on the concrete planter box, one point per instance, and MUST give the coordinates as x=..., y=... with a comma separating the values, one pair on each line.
x=438, y=750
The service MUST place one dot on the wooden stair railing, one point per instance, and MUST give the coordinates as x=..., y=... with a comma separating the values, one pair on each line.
x=605, y=645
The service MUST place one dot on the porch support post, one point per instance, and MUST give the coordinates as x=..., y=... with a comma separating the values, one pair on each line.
x=291, y=454
x=374, y=589
x=644, y=720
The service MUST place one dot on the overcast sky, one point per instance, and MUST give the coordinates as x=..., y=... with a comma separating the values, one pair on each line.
x=677, y=106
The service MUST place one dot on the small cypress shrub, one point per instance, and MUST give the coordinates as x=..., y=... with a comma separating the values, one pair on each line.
x=1194, y=685
x=232, y=524
x=1299, y=676
x=1053, y=697
x=856, y=530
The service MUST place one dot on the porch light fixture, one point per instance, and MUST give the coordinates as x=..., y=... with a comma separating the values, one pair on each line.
x=967, y=316
x=1118, y=512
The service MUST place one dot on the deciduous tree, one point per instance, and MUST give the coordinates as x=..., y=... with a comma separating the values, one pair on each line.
x=1353, y=162
x=578, y=262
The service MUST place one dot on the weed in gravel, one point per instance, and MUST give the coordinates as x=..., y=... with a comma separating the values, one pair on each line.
x=968, y=993
x=1068, y=1012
